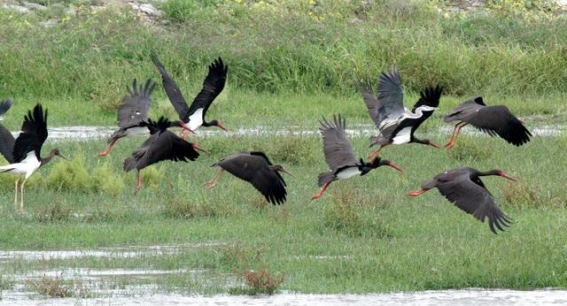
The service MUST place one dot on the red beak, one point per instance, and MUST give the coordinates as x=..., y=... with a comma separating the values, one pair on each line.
x=391, y=164
x=222, y=127
x=504, y=175
x=434, y=145
x=196, y=147
x=416, y=193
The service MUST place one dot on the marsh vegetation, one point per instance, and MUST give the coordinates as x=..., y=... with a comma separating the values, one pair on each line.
x=286, y=71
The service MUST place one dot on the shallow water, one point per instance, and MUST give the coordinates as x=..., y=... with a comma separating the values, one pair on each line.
x=362, y=130
x=438, y=298
x=93, y=281
x=150, y=294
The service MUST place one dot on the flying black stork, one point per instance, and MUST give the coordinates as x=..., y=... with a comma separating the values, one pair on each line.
x=395, y=123
x=161, y=145
x=132, y=113
x=192, y=117
x=340, y=156
x=463, y=187
x=5, y=106
x=23, y=153
x=254, y=167
x=494, y=120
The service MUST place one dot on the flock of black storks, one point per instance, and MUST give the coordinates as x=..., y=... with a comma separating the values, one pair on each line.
x=395, y=123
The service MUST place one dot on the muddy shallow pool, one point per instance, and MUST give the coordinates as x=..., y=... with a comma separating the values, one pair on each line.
x=438, y=298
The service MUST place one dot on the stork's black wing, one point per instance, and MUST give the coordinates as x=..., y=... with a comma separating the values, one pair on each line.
x=33, y=135
x=7, y=141
x=475, y=200
x=428, y=97
x=212, y=87
x=172, y=90
x=253, y=167
x=336, y=145
x=5, y=106
x=161, y=146
x=390, y=98
x=135, y=105
x=499, y=120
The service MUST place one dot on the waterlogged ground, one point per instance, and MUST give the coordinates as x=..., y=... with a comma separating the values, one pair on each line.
x=142, y=289
x=366, y=130
x=149, y=294
x=433, y=298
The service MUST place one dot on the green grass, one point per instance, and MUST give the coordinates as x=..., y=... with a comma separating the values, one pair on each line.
x=290, y=63
x=82, y=62
x=364, y=235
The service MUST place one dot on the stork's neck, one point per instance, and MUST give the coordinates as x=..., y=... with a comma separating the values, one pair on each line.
x=47, y=159
x=489, y=173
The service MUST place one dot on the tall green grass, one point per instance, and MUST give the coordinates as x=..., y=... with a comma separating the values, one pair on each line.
x=88, y=57
x=364, y=235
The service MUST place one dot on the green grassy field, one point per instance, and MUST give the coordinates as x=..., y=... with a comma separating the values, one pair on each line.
x=365, y=234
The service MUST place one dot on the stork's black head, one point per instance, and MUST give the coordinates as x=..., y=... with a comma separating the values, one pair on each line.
x=377, y=162
x=424, y=141
x=216, y=123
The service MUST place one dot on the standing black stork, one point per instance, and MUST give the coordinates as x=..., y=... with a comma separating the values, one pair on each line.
x=463, y=187
x=5, y=106
x=255, y=168
x=494, y=120
x=132, y=113
x=23, y=153
x=161, y=145
x=397, y=124
x=193, y=117
x=340, y=156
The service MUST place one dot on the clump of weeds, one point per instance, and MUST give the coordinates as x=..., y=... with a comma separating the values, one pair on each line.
x=55, y=286
x=69, y=175
x=54, y=212
x=467, y=150
x=258, y=282
x=352, y=213
x=237, y=255
x=295, y=150
x=105, y=179
x=521, y=194
x=184, y=209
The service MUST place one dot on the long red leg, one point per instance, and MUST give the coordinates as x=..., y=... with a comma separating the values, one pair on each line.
x=452, y=135
x=103, y=153
x=212, y=182
x=456, y=131
x=138, y=184
x=373, y=155
x=318, y=195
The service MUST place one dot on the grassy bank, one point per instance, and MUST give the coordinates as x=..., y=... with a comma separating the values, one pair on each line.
x=363, y=235
x=82, y=58
x=288, y=66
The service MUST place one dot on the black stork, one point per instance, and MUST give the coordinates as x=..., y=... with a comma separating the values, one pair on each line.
x=5, y=106
x=397, y=124
x=23, y=153
x=340, y=156
x=463, y=187
x=161, y=145
x=194, y=116
x=494, y=120
x=254, y=167
x=132, y=113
